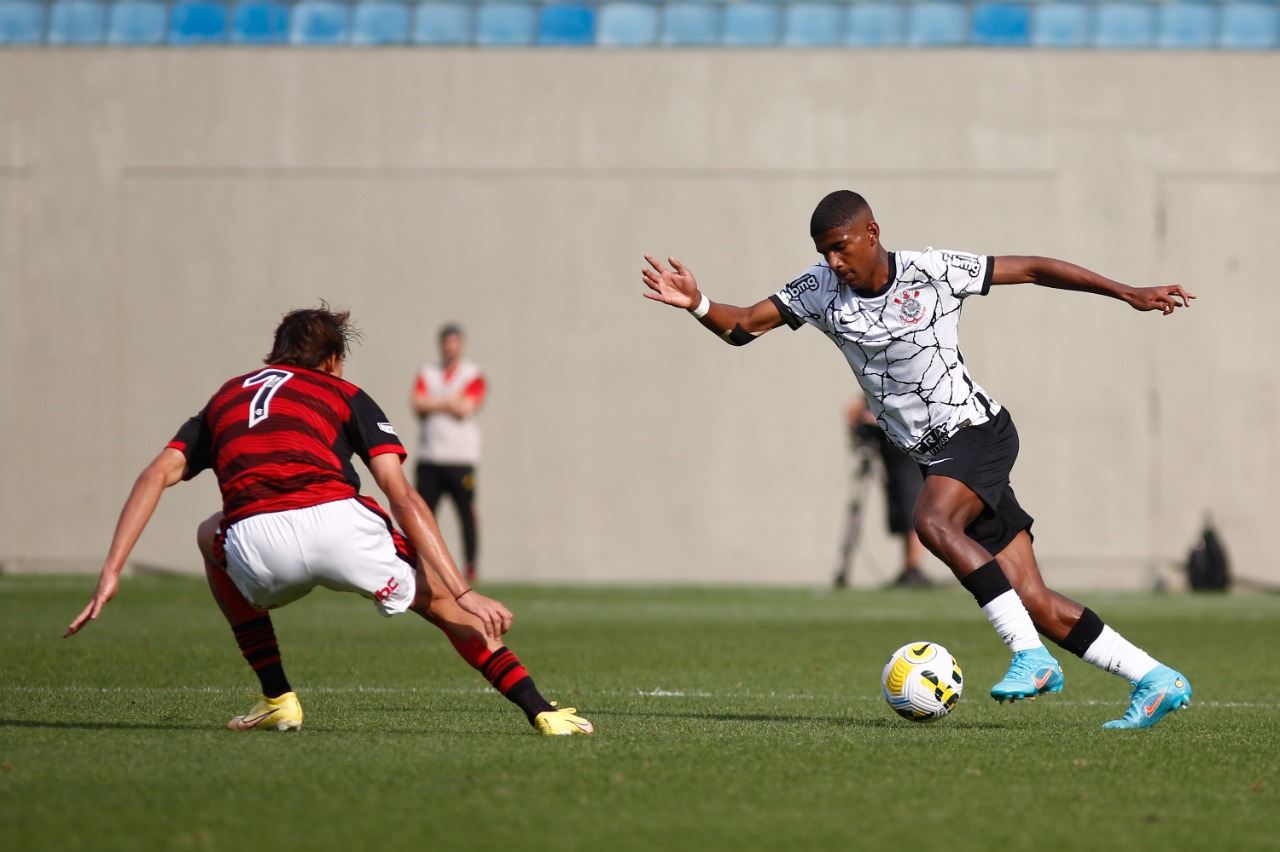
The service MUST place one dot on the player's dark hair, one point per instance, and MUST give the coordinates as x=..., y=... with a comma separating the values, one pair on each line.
x=308, y=337
x=449, y=329
x=837, y=210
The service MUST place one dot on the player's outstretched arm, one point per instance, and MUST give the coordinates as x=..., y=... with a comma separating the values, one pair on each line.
x=677, y=287
x=165, y=470
x=1050, y=272
x=413, y=516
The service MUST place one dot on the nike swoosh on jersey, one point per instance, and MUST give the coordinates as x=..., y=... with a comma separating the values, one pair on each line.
x=939, y=461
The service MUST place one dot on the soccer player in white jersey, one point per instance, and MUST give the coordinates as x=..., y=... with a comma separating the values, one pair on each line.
x=895, y=316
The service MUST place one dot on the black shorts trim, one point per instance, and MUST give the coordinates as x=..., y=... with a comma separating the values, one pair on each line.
x=995, y=529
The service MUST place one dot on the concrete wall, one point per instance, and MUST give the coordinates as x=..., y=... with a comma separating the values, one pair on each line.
x=160, y=209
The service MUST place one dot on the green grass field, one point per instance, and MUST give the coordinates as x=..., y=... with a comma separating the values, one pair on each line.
x=727, y=719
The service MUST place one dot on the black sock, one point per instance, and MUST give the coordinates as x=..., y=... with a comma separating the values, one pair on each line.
x=1085, y=633
x=274, y=683
x=526, y=696
x=987, y=583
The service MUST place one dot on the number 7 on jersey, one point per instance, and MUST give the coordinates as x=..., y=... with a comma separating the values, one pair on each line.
x=271, y=380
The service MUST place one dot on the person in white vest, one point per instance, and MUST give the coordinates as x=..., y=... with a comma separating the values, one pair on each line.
x=446, y=397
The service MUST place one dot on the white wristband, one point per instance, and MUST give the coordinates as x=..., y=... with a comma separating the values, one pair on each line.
x=704, y=307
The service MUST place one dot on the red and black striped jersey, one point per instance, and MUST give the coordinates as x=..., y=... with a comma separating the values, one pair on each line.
x=282, y=437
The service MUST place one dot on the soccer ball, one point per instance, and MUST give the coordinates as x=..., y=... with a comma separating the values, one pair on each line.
x=922, y=681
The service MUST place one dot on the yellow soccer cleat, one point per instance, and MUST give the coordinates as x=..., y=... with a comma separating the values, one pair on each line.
x=282, y=713
x=562, y=722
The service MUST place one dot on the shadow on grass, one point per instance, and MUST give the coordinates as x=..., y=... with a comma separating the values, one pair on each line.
x=311, y=731
x=102, y=726
x=371, y=727
x=885, y=724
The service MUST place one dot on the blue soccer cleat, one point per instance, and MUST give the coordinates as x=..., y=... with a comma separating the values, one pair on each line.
x=1158, y=694
x=1034, y=672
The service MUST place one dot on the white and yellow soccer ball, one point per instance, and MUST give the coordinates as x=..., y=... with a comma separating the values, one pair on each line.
x=922, y=681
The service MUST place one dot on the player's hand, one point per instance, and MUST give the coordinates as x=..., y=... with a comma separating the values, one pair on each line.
x=675, y=286
x=496, y=617
x=1164, y=299
x=107, y=587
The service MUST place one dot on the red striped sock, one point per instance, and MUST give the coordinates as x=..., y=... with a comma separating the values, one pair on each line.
x=503, y=669
x=257, y=641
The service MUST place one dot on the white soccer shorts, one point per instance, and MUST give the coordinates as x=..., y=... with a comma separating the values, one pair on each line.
x=278, y=557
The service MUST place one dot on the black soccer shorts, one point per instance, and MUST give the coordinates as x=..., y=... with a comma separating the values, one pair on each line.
x=982, y=457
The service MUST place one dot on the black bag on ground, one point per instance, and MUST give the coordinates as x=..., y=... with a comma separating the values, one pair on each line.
x=1207, y=566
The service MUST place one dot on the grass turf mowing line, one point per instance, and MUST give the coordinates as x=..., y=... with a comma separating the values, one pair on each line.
x=728, y=719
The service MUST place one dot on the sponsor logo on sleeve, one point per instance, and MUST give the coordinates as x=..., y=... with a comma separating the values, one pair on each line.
x=388, y=428
x=964, y=262
x=800, y=286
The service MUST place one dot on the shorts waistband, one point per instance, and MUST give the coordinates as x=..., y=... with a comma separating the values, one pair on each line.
x=937, y=438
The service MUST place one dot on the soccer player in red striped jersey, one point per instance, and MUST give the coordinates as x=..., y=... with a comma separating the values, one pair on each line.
x=280, y=442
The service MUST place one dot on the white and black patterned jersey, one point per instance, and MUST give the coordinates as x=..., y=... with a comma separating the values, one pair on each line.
x=903, y=343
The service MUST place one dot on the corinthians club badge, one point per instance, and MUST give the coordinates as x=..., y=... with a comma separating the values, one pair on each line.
x=911, y=311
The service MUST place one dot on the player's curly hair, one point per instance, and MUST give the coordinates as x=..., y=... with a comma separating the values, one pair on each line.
x=838, y=209
x=308, y=337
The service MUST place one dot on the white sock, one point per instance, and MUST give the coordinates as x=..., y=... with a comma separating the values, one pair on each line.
x=1113, y=653
x=1010, y=619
